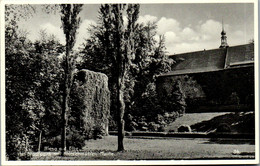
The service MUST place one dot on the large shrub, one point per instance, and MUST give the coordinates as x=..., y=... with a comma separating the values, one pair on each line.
x=90, y=104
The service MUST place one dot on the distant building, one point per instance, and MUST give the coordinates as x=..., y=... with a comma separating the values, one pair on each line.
x=224, y=77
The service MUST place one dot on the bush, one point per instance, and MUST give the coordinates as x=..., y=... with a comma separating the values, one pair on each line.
x=132, y=126
x=18, y=147
x=128, y=134
x=223, y=127
x=184, y=128
x=161, y=128
x=75, y=139
x=90, y=104
x=54, y=142
x=144, y=128
x=152, y=126
x=171, y=130
x=98, y=132
x=170, y=117
x=233, y=99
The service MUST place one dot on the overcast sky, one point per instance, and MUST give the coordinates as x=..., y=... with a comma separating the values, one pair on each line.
x=187, y=27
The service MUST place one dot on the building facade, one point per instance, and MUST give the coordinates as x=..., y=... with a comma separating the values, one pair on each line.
x=220, y=79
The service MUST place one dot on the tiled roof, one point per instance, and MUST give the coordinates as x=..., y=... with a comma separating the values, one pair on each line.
x=212, y=60
x=240, y=55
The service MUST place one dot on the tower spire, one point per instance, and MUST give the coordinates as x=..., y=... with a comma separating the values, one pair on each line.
x=222, y=25
x=223, y=37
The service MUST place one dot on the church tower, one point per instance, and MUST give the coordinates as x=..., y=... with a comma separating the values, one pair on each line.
x=223, y=38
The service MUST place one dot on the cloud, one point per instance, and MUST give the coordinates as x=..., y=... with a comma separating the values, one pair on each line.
x=58, y=32
x=189, y=34
x=237, y=38
x=191, y=46
x=178, y=39
x=210, y=27
x=168, y=24
x=171, y=38
x=83, y=32
x=147, y=18
x=51, y=29
x=204, y=35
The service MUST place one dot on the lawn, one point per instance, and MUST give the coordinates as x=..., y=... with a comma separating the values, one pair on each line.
x=159, y=148
x=193, y=118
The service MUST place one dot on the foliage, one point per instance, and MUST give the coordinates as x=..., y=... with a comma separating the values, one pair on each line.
x=112, y=47
x=184, y=128
x=33, y=74
x=70, y=24
x=158, y=109
x=20, y=85
x=18, y=147
x=90, y=102
x=223, y=127
x=146, y=62
x=175, y=100
x=75, y=139
x=32, y=87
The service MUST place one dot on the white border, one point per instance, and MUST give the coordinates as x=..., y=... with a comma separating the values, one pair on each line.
x=128, y=162
x=124, y=1
x=2, y=77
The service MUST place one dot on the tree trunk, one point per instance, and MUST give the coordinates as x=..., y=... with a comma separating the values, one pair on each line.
x=120, y=100
x=121, y=111
x=65, y=103
x=40, y=141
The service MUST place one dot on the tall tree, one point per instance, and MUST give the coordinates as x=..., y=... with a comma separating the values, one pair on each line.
x=117, y=43
x=70, y=24
x=49, y=88
x=120, y=65
x=19, y=84
x=123, y=41
x=143, y=57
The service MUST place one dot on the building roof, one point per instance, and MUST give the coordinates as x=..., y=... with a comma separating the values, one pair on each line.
x=240, y=55
x=213, y=60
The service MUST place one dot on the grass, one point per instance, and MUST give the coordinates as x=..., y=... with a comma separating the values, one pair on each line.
x=192, y=118
x=164, y=148
x=240, y=122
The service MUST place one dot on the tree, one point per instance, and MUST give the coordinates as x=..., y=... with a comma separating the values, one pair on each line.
x=145, y=57
x=49, y=84
x=115, y=42
x=33, y=84
x=19, y=83
x=70, y=24
x=150, y=61
x=123, y=48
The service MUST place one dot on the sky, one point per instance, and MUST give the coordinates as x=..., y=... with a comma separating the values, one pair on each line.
x=187, y=27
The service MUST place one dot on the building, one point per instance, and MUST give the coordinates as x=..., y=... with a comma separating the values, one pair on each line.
x=223, y=78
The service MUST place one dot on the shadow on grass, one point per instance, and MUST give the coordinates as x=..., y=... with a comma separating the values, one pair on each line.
x=247, y=153
x=240, y=122
x=230, y=141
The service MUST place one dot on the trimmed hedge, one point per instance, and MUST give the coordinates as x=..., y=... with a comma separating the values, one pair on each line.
x=92, y=103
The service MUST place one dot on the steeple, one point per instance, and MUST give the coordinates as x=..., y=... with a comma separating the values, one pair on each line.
x=223, y=38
